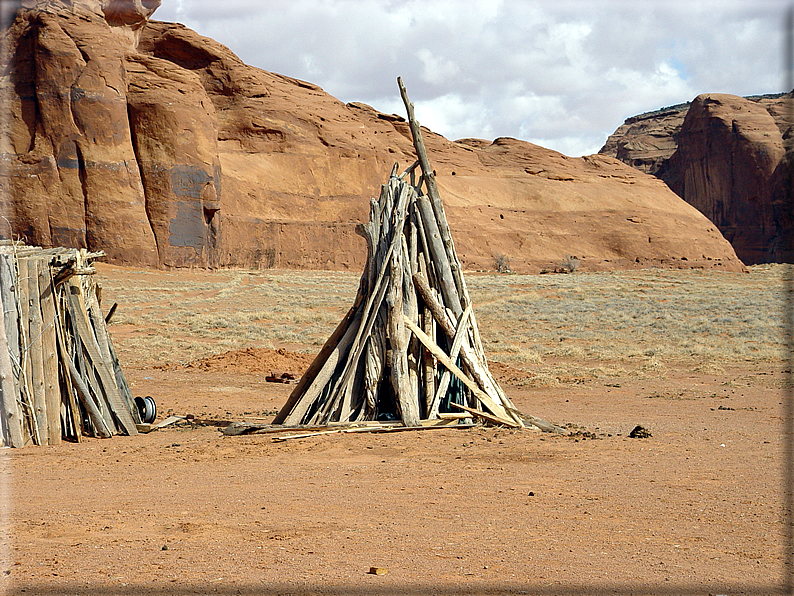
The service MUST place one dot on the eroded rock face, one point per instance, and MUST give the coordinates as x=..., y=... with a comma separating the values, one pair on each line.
x=67, y=152
x=647, y=141
x=161, y=147
x=719, y=153
x=728, y=149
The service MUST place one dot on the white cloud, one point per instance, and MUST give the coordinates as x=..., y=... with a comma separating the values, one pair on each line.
x=437, y=69
x=565, y=73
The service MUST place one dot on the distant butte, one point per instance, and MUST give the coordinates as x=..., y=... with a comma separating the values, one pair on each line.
x=724, y=155
x=161, y=147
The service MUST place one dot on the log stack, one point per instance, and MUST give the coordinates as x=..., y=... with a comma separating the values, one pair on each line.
x=59, y=375
x=409, y=349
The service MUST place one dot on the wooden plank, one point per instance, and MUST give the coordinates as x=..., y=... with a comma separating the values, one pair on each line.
x=36, y=352
x=480, y=414
x=435, y=425
x=89, y=375
x=444, y=359
x=169, y=421
x=320, y=433
x=108, y=354
x=121, y=382
x=305, y=399
x=52, y=386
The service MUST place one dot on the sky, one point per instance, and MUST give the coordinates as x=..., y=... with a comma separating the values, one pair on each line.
x=559, y=73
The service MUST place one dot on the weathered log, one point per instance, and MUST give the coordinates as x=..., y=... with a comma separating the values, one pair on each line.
x=49, y=349
x=35, y=352
x=398, y=338
x=12, y=420
x=410, y=310
x=90, y=406
x=8, y=280
x=9, y=343
x=435, y=199
x=438, y=254
x=107, y=382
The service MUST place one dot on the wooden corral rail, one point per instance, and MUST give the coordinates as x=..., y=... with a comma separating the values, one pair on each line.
x=59, y=375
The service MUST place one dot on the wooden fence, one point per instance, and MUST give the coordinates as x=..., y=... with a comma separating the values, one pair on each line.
x=59, y=375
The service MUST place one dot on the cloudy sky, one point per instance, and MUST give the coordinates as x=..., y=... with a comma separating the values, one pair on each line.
x=560, y=73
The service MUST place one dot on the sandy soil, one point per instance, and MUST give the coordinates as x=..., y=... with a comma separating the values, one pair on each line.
x=694, y=509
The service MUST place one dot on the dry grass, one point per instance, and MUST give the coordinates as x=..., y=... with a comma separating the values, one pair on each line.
x=591, y=325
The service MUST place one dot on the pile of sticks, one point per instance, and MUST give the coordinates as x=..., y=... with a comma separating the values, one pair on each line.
x=409, y=349
x=59, y=375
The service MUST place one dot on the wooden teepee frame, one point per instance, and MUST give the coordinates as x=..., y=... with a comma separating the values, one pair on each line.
x=409, y=348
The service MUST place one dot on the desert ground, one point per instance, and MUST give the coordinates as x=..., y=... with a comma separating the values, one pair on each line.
x=696, y=508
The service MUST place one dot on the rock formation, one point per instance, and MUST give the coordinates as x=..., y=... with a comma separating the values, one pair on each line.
x=728, y=149
x=647, y=141
x=719, y=153
x=162, y=148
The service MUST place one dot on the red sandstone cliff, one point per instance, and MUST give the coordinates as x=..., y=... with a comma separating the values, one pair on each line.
x=728, y=149
x=161, y=147
x=719, y=153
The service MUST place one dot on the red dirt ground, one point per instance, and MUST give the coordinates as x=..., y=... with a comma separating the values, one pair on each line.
x=695, y=509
